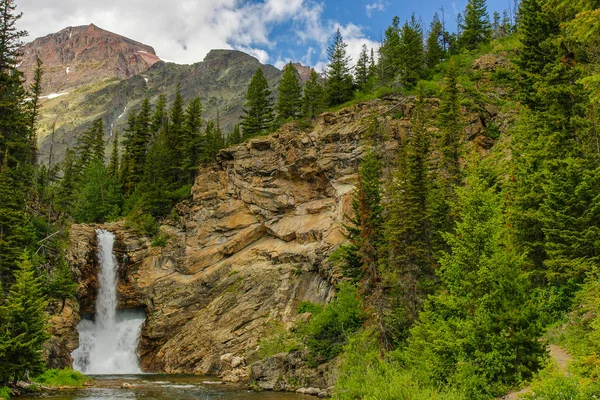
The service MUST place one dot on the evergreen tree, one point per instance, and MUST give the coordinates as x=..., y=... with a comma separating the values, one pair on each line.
x=289, y=102
x=412, y=57
x=476, y=29
x=113, y=165
x=339, y=88
x=191, y=143
x=449, y=173
x=235, y=136
x=435, y=52
x=258, y=110
x=390, y=53
x=16, y=232
x=157, y=185
x=313, y=99
x=175, y=136
x=409, y=228
x=372, y=65
x=160, y=118
x=99, y=197
x=479, y=334
x=35, y=91
x=90, y=145
x=536, y=28
x=25, y=325
x=361, y=72
x=67, y=185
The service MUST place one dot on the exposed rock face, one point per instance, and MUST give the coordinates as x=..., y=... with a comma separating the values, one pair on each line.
x=251, y=244
x=79, y=55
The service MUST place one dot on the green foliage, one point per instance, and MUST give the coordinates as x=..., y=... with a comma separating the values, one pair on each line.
x=389, y=53
x=328, y=331
x=365, y=374
x=276, y=339
x=435, y=51
x=258, y=110
x=339, y=88
x=476, y=29
x=412, y=53
x=62, y=285
x=551, y=384
x=99, y=198
x=307, y=306
x=5, y=392
x=143, y=224
x=480, y=334
x=62, y=377
x=24, y=326
x=290, y=94
x=313, y=98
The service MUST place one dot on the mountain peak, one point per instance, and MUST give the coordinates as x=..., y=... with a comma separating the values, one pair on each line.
x=81, y=54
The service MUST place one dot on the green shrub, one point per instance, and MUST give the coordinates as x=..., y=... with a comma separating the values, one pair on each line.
x=4, y=392
x=62, y=377
x=364, y=374
x=551, y=384
x=277, y=340
x=307, y=306
x=160, y=240
x=142, y=223
x=493, y=131
x=328, y=331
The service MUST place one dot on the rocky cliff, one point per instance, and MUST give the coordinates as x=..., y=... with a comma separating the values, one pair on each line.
x=250, y=245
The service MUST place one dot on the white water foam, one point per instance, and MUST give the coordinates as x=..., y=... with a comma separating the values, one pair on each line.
x=108, y=345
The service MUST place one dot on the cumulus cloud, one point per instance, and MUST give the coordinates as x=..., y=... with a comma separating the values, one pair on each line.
x=186, y=30
x=377, y=6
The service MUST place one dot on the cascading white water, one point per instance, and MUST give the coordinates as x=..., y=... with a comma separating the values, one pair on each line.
x=108, y=345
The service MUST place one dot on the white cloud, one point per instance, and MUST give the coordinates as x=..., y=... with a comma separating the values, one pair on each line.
x=377, y=6
x=186, y=30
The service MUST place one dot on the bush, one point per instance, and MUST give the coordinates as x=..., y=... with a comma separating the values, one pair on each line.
x=364, y=374
x=328, y=331
x=552, y=385
x=142, y=223
x=4, y=392
x=277, y=340
x=62, y=377
x=307, y=306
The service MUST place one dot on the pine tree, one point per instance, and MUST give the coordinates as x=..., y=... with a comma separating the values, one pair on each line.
x=16, y=232
x=313, y=99
x=289, y=102
x=25, y=324
x=412, y=57
x=191, y=143
x=235, y=136
x=35, y=91
x=90, y=145
x=408, y=226
x=175, y=135
x=476, y=29
x=67, y=186
x=479, y=334
x=339, y=87
x=435, y=52
x=99, y=197
x=258, y=110
x=449, y=174
x=159, y=119
x=536, y=28
x=361, y=72
x=113, y=165
x=389, y=53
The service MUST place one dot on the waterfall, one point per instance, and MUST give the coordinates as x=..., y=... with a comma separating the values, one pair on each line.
x=108, y=344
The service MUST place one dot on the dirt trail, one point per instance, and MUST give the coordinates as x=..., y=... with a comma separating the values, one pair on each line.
x=562, y=359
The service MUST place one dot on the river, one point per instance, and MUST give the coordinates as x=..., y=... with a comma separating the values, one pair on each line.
x=163, y=387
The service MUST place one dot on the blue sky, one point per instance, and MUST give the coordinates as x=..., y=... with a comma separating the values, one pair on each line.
x=274, y=31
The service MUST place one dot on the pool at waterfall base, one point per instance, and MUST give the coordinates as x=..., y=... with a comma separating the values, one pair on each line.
x=163, y=387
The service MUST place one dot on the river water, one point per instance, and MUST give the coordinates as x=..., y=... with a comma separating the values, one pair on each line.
x=163, y=387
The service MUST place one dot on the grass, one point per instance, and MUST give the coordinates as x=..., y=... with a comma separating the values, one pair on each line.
x=4, y=392
x=62, y=377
